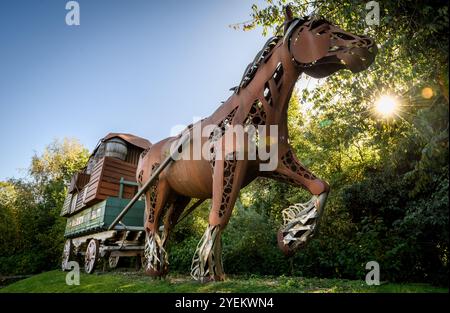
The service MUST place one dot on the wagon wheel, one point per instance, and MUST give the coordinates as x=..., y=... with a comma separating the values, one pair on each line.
x=113, y=260
x=143, y=259
x=67, y=254
x=143, y=262
x=91, y=256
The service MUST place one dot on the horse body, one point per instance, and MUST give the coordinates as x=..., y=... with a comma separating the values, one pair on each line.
x=261, y=99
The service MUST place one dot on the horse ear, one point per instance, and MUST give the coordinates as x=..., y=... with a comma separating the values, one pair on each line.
x=288, y=16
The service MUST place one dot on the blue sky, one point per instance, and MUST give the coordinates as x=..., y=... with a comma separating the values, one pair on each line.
x=131, y=66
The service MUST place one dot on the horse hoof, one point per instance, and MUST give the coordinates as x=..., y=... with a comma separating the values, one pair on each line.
x=154, y=273
x=209, y=279
x=284, y=247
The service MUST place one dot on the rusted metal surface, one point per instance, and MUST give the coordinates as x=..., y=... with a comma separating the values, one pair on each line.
x=310, y=46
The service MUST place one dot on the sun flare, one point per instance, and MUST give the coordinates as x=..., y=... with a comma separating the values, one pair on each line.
x=386, y=105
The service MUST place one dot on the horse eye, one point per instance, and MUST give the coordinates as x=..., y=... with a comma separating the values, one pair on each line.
x=322, y=30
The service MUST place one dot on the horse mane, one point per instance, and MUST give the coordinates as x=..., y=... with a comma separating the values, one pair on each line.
x=262, y=55
x=253, y=66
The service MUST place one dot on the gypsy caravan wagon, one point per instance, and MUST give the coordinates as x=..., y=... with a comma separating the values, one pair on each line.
x=96, y=195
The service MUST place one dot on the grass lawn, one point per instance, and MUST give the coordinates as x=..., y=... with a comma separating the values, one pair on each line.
x=54, y=281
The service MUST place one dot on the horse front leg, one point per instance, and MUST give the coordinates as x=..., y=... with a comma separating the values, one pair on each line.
x=227, y=180
x=300, y=221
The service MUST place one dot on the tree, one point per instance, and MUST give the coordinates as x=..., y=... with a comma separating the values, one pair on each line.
x=34, y=231
x=59, y=161
x=8, y=222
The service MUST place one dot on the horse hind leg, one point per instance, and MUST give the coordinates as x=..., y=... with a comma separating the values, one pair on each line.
x=156, y=256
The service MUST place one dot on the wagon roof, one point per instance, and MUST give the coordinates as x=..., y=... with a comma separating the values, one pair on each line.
x=132, y=139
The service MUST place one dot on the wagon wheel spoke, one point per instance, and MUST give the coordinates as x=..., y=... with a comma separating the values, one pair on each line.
x=91, y=256
x=113, y=260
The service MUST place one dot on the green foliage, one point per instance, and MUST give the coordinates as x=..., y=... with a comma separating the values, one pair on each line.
x=184, y=239
x=59, y=161
x=8, y=221
x=181, y=253
x=32, y=230
x=249, y=245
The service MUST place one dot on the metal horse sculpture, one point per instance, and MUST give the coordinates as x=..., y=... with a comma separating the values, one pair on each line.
x=312, y=46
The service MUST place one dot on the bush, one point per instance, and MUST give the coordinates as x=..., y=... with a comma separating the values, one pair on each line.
x=250, y=245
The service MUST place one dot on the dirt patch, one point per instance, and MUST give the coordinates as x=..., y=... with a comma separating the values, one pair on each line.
x=7, y=280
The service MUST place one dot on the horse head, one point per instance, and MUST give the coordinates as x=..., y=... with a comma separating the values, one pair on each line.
x=320, y=48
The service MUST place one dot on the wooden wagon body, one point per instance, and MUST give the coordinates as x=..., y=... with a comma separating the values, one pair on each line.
x=96, y=196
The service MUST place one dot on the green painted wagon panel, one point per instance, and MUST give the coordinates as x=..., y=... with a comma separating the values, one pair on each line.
x=99, y=216
x=85, y=220
x=134, y=216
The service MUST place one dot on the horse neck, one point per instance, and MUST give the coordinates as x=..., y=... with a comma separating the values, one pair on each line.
x=273, y=85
